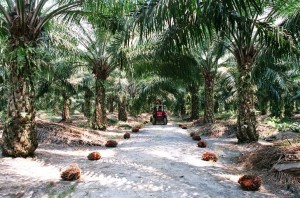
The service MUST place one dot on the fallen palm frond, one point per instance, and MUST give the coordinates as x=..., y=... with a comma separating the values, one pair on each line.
x=263, y=158
x=277, y=161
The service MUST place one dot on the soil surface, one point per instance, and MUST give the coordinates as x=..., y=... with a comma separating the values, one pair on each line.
x=159, y=161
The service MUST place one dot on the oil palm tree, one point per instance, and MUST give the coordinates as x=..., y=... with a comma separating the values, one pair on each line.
x=56, y=86
x=248, y=35
x=276, y=79
x=208, y=54
x=102, y=52
x=159, y=70
x=24, y=22
x=121, y=88
x=86, y=86
x=248, y=25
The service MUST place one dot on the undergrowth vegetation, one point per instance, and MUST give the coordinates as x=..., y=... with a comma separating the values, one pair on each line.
x=285, y=124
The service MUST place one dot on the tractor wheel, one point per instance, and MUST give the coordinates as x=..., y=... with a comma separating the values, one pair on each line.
x=153, y=121
x=165, y=121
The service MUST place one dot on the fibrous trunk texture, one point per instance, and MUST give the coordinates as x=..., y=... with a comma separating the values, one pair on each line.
x=87, y=105
x=66, y=110
x=111, y=103
x=56, y=108
x=209, y=80
x=246, y=122
x=100, y=119
x=19, y=134
x=195, y=102
x=122, y=113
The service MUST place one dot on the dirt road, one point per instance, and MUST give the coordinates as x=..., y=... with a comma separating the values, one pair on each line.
x=159, y=161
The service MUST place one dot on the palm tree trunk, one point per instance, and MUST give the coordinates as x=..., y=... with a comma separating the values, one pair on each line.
x=100, y=119
x=209, y=82
x=56, y=108
x=66, y=110
x=122, y=114
x=263, y=103
x=246, y=122
x=111, y=103
x=216, y=106
x=20, y=134
x=195, y=102
x=87, y=105
x=275, y=108
x=288, y=107
x=182, y=109
x=294, y=106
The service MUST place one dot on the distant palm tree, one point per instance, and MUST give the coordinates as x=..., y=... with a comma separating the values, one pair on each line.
x=208, y=53
x=277, y=81
x=59, y=86
x=169, y=78
x=87, y=87
x=226, y=87
x=121, y=86
x=101, y=51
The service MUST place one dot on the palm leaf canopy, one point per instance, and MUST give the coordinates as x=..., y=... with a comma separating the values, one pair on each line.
x=189, y=17
x=25, y=18
x=98, y=46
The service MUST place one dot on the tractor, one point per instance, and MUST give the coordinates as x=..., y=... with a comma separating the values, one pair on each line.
x=159, y=115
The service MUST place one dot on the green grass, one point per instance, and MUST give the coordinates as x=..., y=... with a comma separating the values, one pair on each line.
x=112, y=121
x=114, y=137
x=123, y=125
x=226, y=115
x=2, y=116
x=285, y=124
x=49, y=115
x=66, y=193
x=174, y=119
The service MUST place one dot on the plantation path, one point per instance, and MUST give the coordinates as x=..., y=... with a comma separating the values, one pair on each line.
x=159, y=161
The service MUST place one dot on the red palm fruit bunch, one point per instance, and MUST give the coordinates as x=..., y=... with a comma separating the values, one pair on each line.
x=208, y=156
x=94, y=156
x=126, y=135
x=111, y=143
x=192, y=134
x=196, y=137
x=250, y=182
x=201, y=144
x=71, y=173
x=135, y=129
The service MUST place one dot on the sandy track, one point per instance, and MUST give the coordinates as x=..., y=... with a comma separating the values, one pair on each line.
x=159, y=161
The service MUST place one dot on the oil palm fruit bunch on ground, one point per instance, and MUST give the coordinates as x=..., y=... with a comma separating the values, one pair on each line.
x=126, y=135
x=71, y=173
x=135, y=129
x=201, y=144
x=94, y=156
x=183, y=126
x=111, y=143
x=208, y=156
x=196, y=137
x=250, y=182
